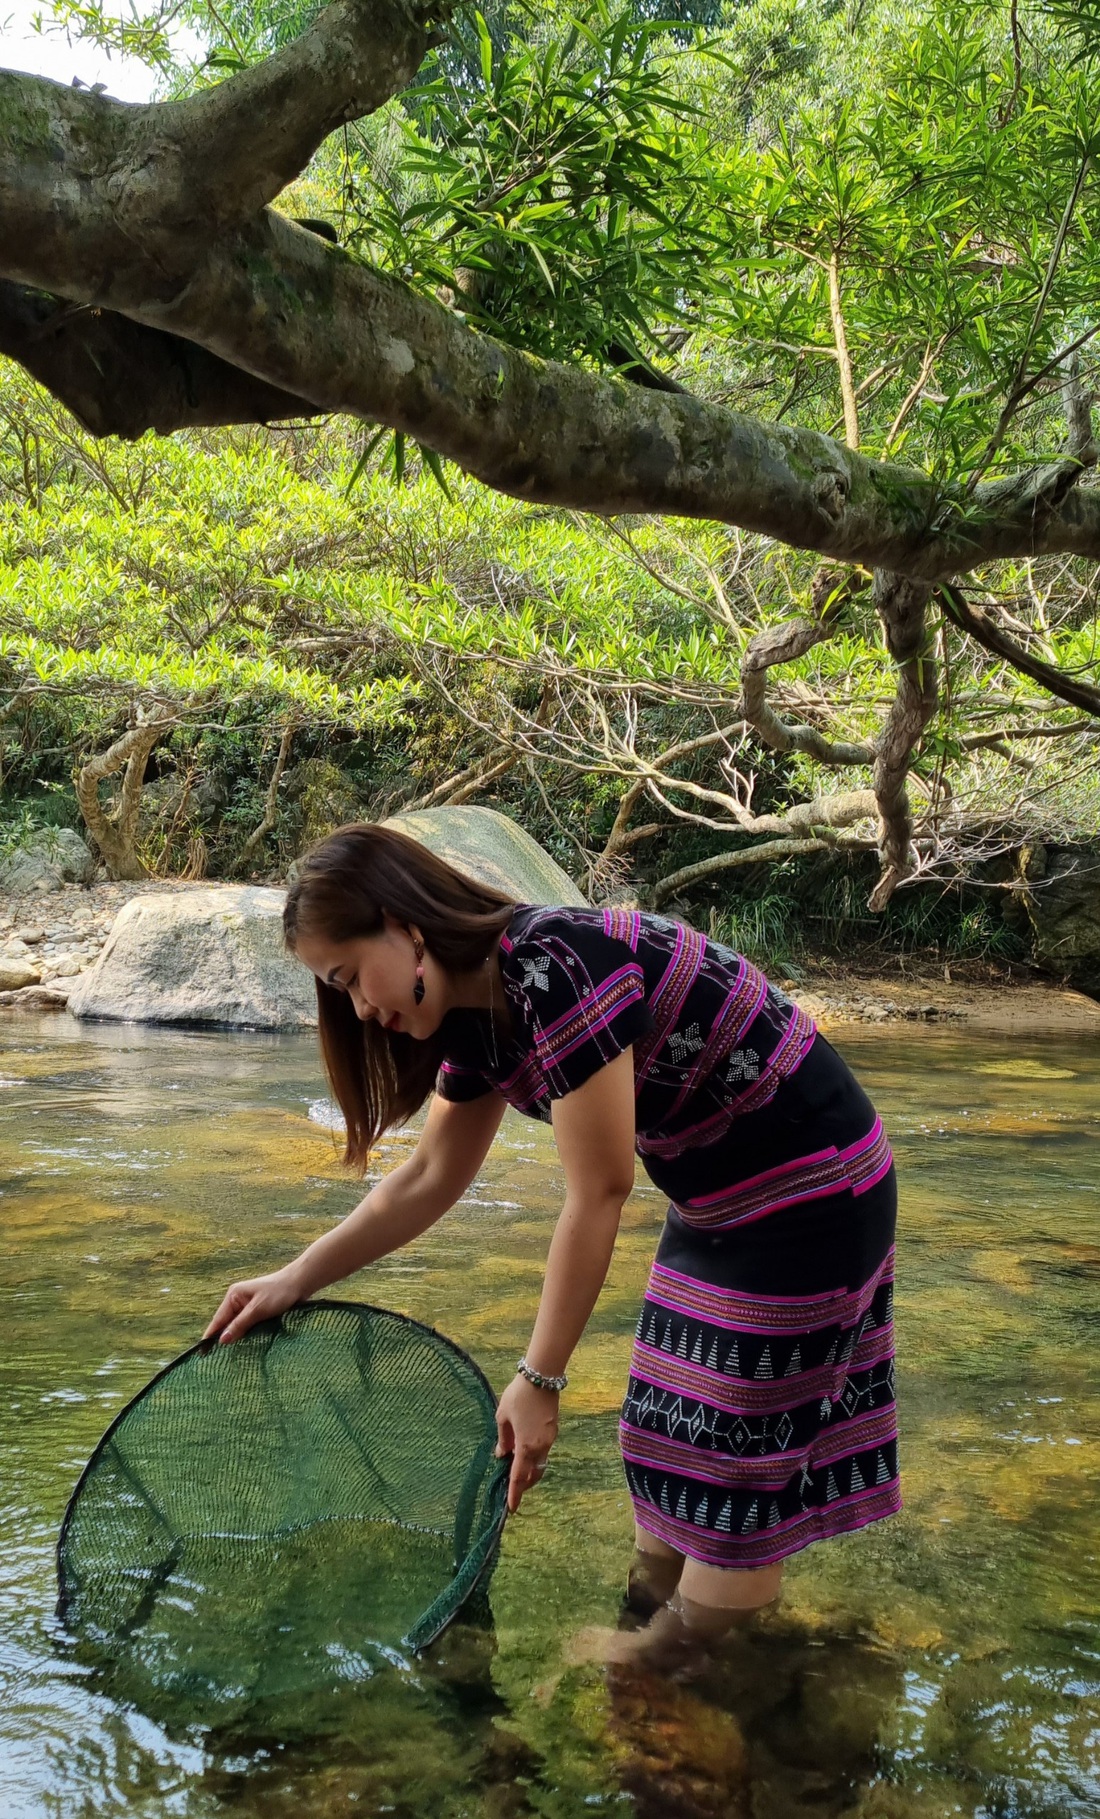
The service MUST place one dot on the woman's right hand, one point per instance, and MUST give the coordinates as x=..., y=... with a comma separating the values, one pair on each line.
x=245, y=1303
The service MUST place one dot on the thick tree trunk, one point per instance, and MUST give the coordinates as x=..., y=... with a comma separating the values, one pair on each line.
x=115, y=835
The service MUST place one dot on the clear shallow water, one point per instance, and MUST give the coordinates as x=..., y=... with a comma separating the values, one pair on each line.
x=947, y=1662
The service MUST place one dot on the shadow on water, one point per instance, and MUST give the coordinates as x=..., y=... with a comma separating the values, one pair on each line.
x=947, y=1662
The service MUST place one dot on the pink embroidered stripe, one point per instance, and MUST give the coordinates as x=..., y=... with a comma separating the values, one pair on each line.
x=764, y=1313
x=623, y=925
x=719, y=1549
x=772, y=1471
x=740, y=1009
x=667, y=1001
x=830, y=1171
x=593, y=1012
x=793, y=1047
x=771, y=1395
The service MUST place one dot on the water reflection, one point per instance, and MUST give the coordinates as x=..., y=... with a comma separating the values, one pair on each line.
x=948, y=1662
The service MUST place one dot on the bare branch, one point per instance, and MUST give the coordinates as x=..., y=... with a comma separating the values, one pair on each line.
x=785, y=643
x=766, y=853
x=1077, y=402
x=119, y=378
x=271, y=799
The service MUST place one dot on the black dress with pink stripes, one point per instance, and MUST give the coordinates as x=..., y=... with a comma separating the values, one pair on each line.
x=759, y=1414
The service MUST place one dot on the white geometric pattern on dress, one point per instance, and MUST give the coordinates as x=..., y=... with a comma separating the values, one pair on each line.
x=857, y=1477
x=794, y=1368
x=831, y=1489
x=725, y=1515
x=882, y=1475
x=682, y=1507
x=743, y=1064
x=712, y=1356
x=685, y=1042
x=682, y=1348
x=697, y=1350
x=764, y=1368
x=701, y=1514
x=534, y=973
x=733, y=1361
x=824, y=1413
x=752, y=1519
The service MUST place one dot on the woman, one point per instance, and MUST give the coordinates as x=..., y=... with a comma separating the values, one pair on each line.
x=759, y=1414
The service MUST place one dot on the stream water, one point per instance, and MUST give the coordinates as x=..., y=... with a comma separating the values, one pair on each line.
x=947, y=1662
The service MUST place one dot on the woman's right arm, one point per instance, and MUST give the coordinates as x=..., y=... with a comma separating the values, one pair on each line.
x=452, y=1147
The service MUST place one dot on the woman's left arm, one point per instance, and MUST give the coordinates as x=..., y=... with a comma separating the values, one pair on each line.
x=594, y=1131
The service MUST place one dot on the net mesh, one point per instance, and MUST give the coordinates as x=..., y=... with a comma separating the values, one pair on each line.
x=282, y=1514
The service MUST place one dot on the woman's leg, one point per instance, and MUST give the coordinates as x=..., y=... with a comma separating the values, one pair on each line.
x=712, y=1600
x=654, y=1573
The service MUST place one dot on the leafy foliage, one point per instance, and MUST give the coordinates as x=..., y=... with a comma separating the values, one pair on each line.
x=874, y=218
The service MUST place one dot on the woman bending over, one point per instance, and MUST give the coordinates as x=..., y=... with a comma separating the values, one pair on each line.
x=759, y=1413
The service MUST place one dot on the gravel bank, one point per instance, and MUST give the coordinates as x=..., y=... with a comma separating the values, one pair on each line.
x=47, y=939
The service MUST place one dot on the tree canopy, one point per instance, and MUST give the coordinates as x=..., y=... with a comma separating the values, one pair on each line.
x=817, y=277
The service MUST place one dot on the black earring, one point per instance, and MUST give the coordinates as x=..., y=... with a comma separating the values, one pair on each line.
x=418, y=988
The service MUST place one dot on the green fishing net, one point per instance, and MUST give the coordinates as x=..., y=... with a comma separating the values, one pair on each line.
x=274, y=1518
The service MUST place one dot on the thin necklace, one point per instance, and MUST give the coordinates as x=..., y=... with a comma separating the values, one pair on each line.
x=492, y=1015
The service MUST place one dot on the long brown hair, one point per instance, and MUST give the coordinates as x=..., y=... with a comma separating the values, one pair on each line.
x=348, y=883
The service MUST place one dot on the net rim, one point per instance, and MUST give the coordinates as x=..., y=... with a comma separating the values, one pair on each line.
x=208, y=1345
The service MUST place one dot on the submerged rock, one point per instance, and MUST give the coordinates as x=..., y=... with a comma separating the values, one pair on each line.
x=211, y=956
x=493, y=849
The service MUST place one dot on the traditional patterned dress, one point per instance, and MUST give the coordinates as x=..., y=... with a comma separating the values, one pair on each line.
x=759, y=1414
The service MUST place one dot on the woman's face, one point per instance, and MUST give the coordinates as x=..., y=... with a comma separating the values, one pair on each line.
x=378, y=972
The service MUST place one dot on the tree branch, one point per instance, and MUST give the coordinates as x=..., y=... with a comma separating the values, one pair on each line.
x=115, y=834
x=843, y=357
x=766, y=853
x=81, y=219
x=119, y=378
x=985, y=631
x=271, y=799
x=178, y=173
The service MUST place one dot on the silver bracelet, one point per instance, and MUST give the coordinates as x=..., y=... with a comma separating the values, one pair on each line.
x=536, y=1377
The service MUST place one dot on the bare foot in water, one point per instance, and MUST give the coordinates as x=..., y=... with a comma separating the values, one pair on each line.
x=663, y=1644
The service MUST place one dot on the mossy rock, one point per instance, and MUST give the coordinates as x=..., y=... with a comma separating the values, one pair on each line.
x=495, y=850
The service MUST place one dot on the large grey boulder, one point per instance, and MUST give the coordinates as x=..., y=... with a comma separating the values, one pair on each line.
x=493, y=849
x=45, y=861
x=212, y=956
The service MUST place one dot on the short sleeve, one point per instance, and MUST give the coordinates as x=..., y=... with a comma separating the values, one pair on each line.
x=580, y=991
x=460, y=1083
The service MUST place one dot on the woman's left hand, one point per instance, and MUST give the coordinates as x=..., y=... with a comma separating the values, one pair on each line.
x=527, y=1426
